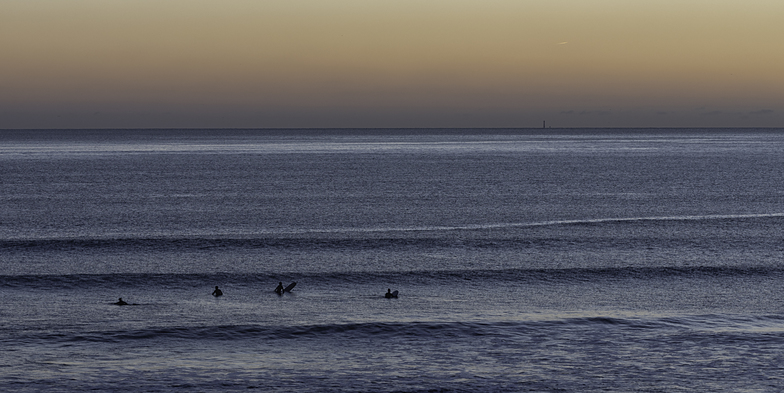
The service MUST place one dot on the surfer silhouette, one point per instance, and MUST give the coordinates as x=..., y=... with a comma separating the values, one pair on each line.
x=121, y=302
x=279, y=289
x=217, y=292
x=390, y=294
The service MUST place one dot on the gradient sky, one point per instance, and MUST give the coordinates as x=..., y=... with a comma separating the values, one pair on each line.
x=391, y=63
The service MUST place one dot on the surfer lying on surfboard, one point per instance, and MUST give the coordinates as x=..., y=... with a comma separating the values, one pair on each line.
x=124, y=303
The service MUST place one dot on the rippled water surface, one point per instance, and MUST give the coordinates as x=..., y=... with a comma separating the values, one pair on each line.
x=578, y=260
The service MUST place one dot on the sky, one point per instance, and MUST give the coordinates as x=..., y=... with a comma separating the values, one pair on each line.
x=391, y=63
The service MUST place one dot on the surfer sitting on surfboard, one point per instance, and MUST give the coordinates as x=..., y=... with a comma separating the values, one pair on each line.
x=280, y=290
x=217, y=292
x=390, y=295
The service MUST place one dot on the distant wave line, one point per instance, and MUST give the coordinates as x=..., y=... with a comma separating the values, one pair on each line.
x=470, y=227
x=434, y=228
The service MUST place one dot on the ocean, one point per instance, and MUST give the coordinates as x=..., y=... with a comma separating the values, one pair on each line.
x=526, y=260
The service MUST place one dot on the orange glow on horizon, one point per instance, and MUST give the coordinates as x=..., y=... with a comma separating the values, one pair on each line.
x=519, y=58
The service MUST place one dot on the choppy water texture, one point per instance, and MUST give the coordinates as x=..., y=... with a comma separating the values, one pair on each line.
x=576, y=260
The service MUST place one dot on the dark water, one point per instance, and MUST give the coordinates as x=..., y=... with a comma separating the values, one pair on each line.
x=577, y=260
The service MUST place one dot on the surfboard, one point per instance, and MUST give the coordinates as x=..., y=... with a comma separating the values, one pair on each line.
x=290, y=287
x=394, y=294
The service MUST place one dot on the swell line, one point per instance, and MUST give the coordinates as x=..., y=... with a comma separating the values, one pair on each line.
x=418, y=330
x=471, y=227
x=272, y=234
x=317, y=281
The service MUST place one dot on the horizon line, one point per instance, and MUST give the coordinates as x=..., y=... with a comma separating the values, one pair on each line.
x=396, y=128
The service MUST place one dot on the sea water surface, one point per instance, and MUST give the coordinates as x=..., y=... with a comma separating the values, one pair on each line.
x=526, y=260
